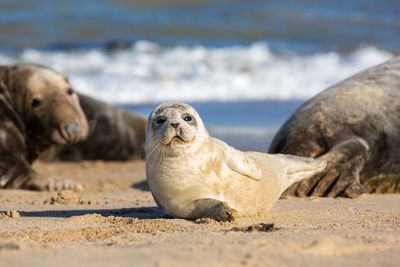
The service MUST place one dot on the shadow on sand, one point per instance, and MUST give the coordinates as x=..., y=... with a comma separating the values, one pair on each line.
x=143, y=185
x=140, y=213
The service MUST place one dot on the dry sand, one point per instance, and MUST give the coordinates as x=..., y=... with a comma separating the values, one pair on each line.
x=115, y=222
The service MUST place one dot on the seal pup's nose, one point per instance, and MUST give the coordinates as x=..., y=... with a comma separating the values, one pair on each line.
x=175, y=124
x=72, y=129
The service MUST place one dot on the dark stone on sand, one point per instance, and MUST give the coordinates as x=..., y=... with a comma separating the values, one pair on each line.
x=261, y=227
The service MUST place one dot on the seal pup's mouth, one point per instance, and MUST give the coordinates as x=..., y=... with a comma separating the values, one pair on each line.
x=176, y=139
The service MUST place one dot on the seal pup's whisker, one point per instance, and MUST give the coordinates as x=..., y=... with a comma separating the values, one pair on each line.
x=156, y=152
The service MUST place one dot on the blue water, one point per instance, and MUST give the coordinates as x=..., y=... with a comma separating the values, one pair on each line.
x=300, y=25
x=245, y=65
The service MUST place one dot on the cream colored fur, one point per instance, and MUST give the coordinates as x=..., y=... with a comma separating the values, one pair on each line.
x=186, y=164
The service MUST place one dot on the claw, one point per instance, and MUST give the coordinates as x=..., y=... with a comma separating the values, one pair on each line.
x=355, y=190
x=54, y=184
x=325, y=183
x=290, y=192
x=224, y=213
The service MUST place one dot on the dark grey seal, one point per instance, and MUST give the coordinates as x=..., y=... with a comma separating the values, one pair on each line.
x=114, y=134
x=354, y=126
x=38, y=110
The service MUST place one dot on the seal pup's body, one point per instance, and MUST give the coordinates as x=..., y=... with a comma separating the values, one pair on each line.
x=354, y=126
x=193, y=175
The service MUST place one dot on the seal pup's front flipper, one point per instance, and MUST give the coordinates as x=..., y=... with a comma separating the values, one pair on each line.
x=299, y=168
x=239, y=161
x=211, y=208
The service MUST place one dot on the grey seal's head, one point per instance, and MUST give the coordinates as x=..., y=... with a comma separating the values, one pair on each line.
x=174, y=128
x=46, y=103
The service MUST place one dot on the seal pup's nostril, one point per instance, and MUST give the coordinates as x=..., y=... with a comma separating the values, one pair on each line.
x=175, y=125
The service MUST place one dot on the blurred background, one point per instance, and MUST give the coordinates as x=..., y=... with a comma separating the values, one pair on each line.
x=245, y=65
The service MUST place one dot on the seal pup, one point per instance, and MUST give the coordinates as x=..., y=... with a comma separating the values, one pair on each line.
x=39, y=109
x=114, y=134
x=192, y=175
x=354, y=126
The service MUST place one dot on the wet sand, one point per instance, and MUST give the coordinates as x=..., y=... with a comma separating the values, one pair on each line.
x=115, y=222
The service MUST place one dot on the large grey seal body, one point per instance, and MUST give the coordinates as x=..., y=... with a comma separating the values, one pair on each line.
x=354, y=126
x=193, y=175
x=38, y=109
x=114, y=134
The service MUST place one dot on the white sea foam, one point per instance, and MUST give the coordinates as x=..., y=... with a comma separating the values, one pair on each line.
x=149, y=73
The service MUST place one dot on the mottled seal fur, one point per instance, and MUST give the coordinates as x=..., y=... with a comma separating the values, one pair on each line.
x=193, y=175
x=354, y=126
x=114, y=134
x=38, y=109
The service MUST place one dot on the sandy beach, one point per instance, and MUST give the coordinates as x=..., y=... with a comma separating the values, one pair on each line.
x=115, y=222
x=246, y=66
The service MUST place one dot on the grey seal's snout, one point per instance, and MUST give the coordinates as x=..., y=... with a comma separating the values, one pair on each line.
x=72, y=130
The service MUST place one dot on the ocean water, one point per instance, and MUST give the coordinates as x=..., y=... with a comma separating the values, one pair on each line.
x=246, y=66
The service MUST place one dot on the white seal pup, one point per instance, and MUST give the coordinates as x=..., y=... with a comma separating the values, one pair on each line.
x=192, y=175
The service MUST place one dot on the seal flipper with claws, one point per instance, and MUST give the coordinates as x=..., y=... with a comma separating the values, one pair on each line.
x=192, y=175
x=38, y=109
x=342, y=175
x=355, y=127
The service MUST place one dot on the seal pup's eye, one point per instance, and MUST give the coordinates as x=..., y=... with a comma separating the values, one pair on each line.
x=70, y=91
x=36, y=102
x=187, y=118
x=161, y=120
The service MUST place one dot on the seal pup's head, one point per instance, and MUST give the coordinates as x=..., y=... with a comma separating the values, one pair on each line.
x=46, y=103
x=174, y=128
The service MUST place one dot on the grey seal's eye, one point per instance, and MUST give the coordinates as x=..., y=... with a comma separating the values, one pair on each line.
x=187, y=118
x=70, y=91
x=161, y=120
x=36, y=102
